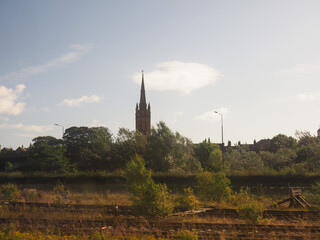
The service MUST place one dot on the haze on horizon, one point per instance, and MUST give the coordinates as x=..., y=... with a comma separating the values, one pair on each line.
x=78, y=63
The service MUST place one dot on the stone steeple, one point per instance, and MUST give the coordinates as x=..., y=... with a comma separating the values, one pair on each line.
x=143, y=112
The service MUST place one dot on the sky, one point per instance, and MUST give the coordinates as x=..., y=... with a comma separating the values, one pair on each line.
x=78, y=63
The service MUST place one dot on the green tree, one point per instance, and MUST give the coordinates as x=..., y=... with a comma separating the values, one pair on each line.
x=243, y=160
x=48, y=158
x=308, y=150
x=89, y=148
x=166, y=151
x=209, y=155
x=127, y=145
x=52, y=141
x=280, y=160
x=213, y=186
x=147, y=197
x=159, y=147
x=282, y=141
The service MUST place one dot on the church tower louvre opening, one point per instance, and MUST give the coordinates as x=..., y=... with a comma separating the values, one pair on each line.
x=143, y=112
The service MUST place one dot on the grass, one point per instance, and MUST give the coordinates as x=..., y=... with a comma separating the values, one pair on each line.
x=9, y=232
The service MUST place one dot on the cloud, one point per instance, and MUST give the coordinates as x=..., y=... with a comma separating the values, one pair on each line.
x=176, y=116
x=78, y=51
x=308, y=96
x=4, y=119
x=300, y=69
x=212, y=115
x=301, y=97
x=179, y=76
x=77, y=101
x=9, y=100
x=27, y=128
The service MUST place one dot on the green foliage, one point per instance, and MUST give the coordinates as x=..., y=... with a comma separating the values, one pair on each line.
x=209, y=155
x=48, y=158
x=127, y=145
x=308, y=150
x=166, y=151
x=213, y=186
x=247, y=206
x=137, y=176
x=148, y=198
x=313, y=195
x=243, y=160
x=282, y=141
x=89, y=148
x=251, y=210
x=9, y=191
x=62, y=193
x=281, y=159
x=8, y=167
x=186, y=235
x=188, y=200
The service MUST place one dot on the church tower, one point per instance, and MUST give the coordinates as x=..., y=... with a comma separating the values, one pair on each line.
x=143, y=113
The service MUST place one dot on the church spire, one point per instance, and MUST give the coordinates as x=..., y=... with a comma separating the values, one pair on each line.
x=143, y=103
x=143, y=112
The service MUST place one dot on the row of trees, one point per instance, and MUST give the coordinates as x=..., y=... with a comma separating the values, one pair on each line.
x=95, y=149
x=284, y=154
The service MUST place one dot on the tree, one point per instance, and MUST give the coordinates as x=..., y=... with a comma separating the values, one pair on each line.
x=159, y=147
x=282, y=159
x=209, y=155
x=52, y=141
x=148, y=198
x=127, y=145
x=213, y=186
x=242, y=159
x=281, y=141
x=170, y=151
x=308, y=150
x=89, y=148
x=48, y=158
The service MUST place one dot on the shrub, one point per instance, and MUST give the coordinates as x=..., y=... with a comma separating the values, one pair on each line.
x=313, y=196
x=213, y=186
x=186, y=235
x=251, y=210
x=62, y=193
x=188, y=200
x=148, y=198
x=247, y=207
x=9, y=191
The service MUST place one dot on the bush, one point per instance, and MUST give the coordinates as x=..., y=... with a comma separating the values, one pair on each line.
x=251, y=210
x=213, y=186
x=9, y=191
x=62, y=193
x=148, y=198
x=247, y=207
x=188, y=200
x=186, y=235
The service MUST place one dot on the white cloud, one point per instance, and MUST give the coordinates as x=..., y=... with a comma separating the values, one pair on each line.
x=308, y=96
x=78, y=51
x=301, y=97
x=212, y=115
x=179, y=76
x=176, y=116
x=300, y=69
x=27, y=128
x=9, y=100
x=77, y=101
x=5, y=119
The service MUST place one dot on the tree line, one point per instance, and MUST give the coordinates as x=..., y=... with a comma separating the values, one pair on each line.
x=95, y=149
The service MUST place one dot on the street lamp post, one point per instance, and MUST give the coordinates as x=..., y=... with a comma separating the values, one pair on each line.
x=60, y=126
x=221, y=125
